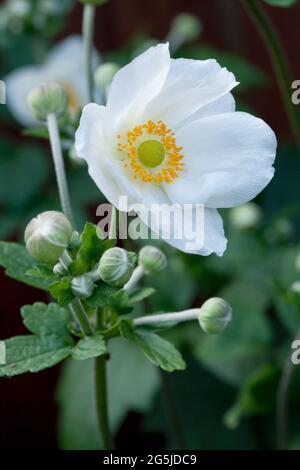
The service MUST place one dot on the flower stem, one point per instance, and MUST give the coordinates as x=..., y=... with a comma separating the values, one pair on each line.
x=278, y=59
x=88, y=33
x=135, y=278
x=101, y=396
x=80, y=315
x=186, y=315
x=59, y=167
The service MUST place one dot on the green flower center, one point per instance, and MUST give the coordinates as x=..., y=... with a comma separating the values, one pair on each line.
x=151, y=153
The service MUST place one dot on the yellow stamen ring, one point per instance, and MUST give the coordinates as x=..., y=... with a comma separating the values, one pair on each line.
x=152, y=153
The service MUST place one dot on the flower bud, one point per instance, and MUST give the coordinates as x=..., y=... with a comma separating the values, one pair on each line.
x=186, y=26
x=104, y=75
x=116, y=266
x=152, y=259
x=82, y=286
x=246, y=216
x=47, y=236
x=295, y=287
x=49, y=98
x=214, y=315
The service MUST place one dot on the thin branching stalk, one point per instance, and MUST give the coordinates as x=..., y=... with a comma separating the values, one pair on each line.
x=88, y=33
x=278, y=59
x=101, y=396
x=59, y=167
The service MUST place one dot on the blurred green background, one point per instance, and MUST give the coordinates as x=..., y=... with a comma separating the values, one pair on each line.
x=226, y=399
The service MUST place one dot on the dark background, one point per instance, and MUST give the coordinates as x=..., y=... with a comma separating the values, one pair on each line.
x=27, y=408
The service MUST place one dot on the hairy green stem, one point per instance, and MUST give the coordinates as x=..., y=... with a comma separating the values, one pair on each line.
x=186, y=315
x=137, y=275
x=278, y=59
x=88, y=33
x=80, y=315
x=101, y=396
x=59, y=167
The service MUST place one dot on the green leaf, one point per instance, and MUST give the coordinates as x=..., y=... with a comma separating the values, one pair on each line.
x=17, y=261
x=140, y=294
x=159, y=351
x=101, y=295
x=256, y=397
x=88, y=347
x=77, y=423
x=92, y=245
x=42, y=319
x=38, y=132
x=42, y=271
x=62, y=292
x=281, y=3
x=33, y=353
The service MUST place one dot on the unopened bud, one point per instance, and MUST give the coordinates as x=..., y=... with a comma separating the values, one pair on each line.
x=116, y=266
x=246, y=216
x=47, y=236
x=295, y=287
x=186, y=26
x=214, y=315
x=82, y=286
x=104, y=76
x=49, y=98
x=152, y=259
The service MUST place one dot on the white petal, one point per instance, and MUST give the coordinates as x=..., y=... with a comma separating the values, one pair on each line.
x=91, y=146
x=189, y=86
x=66, y=64
x=136, y=84
x=228, y=159
x=208, y=232
x=18, y=85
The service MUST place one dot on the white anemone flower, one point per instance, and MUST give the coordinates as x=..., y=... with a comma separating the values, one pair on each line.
x=169, y=134
x=64, y=64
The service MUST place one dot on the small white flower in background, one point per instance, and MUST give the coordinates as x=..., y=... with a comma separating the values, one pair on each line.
x=170, y=134
x=64, y=64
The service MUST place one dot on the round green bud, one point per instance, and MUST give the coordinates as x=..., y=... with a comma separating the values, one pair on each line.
x=246, y=216
x=295, y=287
x=47, y=236
x=82, y=286
x=152, y=259
x=49, y=98
x=116, y=266
x=214, y=315
x=187, y=26
x=104, y=75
